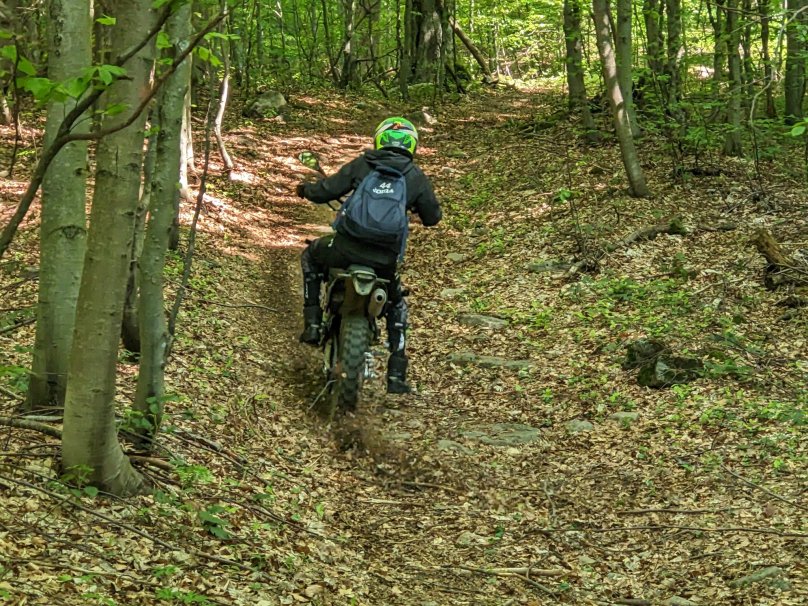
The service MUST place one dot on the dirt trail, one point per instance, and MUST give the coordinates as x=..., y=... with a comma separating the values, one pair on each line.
x=556, y=481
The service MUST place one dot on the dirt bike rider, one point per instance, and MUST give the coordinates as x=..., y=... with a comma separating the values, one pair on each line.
x=395, y=141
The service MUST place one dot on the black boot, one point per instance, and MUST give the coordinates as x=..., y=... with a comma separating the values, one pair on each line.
x=397, y=374
x=313, y=317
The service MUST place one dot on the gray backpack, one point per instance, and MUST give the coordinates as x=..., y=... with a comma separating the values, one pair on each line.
x=376, y=212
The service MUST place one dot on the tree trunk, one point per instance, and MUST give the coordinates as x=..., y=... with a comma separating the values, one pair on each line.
x=622, y=127
x=348, y=63
x=405, y=46
x=150, y=393
x=130, y=328
x=765, y=18
x=747, y=59
x=575, y=73
x=732, y=142
x=475, y=52
x=186, y=163
x=224, y=94
x=623, y=57
x=652, y=11
x=795, y=63
x=63, y=227
x=429, y=38
x=90, y=441
x=673, y=8
x=719, y=44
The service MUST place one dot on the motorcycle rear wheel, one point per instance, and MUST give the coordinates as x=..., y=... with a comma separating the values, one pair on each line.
x=348, y=372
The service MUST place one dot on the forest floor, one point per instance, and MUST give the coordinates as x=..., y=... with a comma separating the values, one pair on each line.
x=540, y=474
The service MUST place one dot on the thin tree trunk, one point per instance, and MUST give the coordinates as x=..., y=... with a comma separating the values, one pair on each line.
x=765, y=18
x=482, y=62
x=732, y=141
x=224, y=94
x=130, y=329
x=622, y=127
x=348, y=63
x=654, y=18
x=575, y=73
x=150, y=395
x=63, y=227
x=719, y=43
x=673, y=9
x=624, y=58
x=186, y=163
x=90, y=441
x=795, y=63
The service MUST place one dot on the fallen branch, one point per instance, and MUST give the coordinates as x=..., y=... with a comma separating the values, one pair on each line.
x=763, y=489
x=14, y=327
x=11, y=394
x=782, y=269
x=520, y=573
x=673, y=511
x=31, y=425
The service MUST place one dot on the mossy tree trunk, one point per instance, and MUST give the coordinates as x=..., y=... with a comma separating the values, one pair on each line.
x=154, y=336
x=90, y=441
x=63, y=227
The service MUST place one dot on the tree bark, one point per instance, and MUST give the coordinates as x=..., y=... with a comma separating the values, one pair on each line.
x=63, y=227
x=652, y=11
x=795, y=62
x=764, y=11
x=90, y=441
x=622, y=127
x=429, y=39
x=623, y=57
x=150, y=395
x=673, y=9
x=348, y=63
x=224, y=95
x=732, y=142
x=574, y=62
x=405, y=48
x=472, y=48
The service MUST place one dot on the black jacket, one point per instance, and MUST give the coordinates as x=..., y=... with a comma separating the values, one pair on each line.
x=420, y=197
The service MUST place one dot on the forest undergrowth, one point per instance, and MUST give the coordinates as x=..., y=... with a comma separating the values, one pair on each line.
x=529, y=467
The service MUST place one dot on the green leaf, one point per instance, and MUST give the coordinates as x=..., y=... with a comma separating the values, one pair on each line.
x=159, y=3
x=798, y=130
x=26, y=67
x=9, y=52
x=163, y=41
x=40, y=88
x=75, y=87
x=115, y=109
x=106, y=20
x=91, y=491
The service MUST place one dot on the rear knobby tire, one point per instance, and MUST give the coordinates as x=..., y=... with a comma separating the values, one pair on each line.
x=349, y=372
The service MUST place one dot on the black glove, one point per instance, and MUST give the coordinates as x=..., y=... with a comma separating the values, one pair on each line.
x=300, y=190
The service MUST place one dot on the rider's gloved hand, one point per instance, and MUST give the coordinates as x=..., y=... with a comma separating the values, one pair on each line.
x=299, y=190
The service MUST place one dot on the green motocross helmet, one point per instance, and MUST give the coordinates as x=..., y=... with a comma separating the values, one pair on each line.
x=396, y=132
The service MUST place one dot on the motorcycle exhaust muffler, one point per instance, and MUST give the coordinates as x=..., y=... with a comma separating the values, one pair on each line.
x=377, y=300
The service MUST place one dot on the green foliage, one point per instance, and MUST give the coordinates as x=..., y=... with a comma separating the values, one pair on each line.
x=214, y=524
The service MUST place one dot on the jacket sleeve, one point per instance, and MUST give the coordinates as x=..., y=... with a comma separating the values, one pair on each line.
x=335, y=186
x=426, y=204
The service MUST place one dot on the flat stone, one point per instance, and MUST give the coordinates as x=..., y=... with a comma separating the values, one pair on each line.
x=482, y=321
x=403, y=436
x=579, y=426
x=456, y=257
x=451, y=293
x=760, y=575
x=467, y=357
x=539, y=267
x=624, y=417
x=503, y=434
x=452, y=446
x=467, y=539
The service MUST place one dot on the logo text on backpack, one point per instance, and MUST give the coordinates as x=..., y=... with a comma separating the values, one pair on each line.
x=384, y=188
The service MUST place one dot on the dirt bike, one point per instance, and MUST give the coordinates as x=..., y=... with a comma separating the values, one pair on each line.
x=354, y=298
